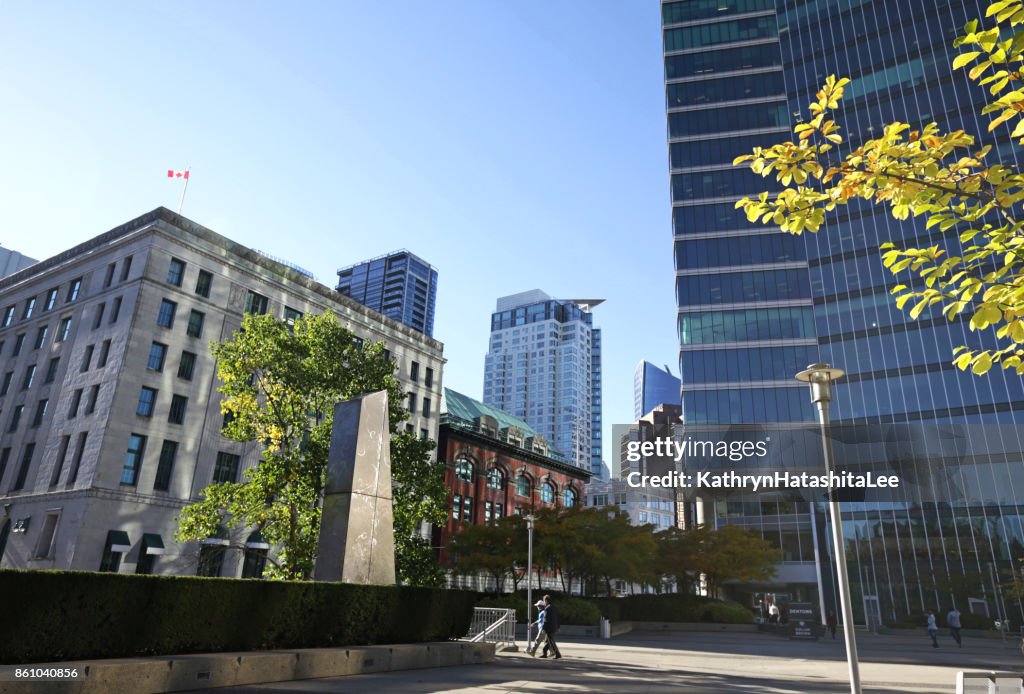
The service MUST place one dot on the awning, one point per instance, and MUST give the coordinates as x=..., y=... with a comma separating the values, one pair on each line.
x=118, y=541
x=154, y=543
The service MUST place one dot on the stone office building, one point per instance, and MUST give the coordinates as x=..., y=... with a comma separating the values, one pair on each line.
x=109, y=412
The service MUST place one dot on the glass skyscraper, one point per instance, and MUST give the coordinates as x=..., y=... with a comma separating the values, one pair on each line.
x=400, y=285
x=756, y=305
x=544, y=366
x=652, y=387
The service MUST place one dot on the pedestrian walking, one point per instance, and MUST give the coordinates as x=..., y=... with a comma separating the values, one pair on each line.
x=831, y=622
x=773, y=613
x=551, y=624
x=953, y=622
x=541, y=636
x=933, y=628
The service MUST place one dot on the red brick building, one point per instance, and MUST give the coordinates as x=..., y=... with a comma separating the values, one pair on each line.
x=496, y=465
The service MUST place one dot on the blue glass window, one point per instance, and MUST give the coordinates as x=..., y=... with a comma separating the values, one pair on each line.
x=720, y=32
x=748, y=117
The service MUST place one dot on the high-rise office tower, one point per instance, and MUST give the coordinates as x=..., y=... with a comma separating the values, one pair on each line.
x=652, y=387
x=756, y=305
x=400, y=285
x=544, y=366
x=12, y=261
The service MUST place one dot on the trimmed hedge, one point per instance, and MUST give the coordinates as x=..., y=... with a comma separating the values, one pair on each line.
x=673, y=607
x=67, y=615
x=916, y=620
x=576, y=611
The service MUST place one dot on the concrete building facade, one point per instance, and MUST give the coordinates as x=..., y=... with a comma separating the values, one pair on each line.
x=12, y=261
x=109, y=410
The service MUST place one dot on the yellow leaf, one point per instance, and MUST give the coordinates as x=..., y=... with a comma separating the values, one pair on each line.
x=964, y=58
x=982, y=364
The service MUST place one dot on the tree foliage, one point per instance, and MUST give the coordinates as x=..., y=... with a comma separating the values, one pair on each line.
x=730, y=553
x=280, y=384
x=976, y=266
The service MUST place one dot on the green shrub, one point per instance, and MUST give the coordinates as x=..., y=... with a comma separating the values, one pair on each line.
x=574, y=611
x=976, y=621
x=65, y=615
x=673, y=607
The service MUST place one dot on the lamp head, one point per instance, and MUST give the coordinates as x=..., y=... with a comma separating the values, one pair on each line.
x=820, y=377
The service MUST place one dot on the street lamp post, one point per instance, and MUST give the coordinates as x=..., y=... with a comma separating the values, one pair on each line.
x=530, y=518
x=820, y=377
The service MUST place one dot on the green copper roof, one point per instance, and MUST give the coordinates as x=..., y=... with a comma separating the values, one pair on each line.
x=465, y=407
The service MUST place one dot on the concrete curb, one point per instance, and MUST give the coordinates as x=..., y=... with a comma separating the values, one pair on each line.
x=182, y=673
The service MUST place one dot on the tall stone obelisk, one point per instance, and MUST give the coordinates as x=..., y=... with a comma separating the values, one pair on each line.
x=357, y=541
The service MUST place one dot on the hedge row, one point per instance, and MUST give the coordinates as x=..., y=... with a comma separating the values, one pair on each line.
x=67, y=615
x=673, y=607
x=578, y=611
x=917, y=620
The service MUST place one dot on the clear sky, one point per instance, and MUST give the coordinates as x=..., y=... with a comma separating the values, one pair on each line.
x=513, y=144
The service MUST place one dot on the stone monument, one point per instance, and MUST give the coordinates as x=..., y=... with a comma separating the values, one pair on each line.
x=357, y=541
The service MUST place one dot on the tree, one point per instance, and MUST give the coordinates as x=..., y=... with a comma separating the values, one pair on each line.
x=280, y=383
x=498, y=549
x=976, y=269
x=731, y=553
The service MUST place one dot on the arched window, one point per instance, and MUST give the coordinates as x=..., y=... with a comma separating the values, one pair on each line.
x=569, y=498
x=522, y=486
x=495, y=479
x=547, y=493
x=463, y=470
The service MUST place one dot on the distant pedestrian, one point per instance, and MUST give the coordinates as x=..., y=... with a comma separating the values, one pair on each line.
x=831, y=622
x=551, y=623
x=773, y=613
x=953, y=622
x=933, y=628
x=541, y=636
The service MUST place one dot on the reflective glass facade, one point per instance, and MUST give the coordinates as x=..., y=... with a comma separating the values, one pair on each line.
x=400, y=285
x=756, y=305
x=652, y=387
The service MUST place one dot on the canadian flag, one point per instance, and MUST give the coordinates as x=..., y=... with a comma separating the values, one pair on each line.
x=171, y=173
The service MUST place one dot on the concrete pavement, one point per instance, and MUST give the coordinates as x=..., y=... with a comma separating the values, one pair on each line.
x=695, y=662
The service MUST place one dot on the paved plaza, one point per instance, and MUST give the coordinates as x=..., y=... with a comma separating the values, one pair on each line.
x=716, y=663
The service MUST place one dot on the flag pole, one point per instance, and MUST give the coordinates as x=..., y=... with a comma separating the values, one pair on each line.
x=181, y=202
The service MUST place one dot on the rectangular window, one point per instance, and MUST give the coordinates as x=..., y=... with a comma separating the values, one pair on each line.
x=26, y=461
x=426, y=407
x=133, y=459
x=111, y=560
x=211, y=560
x=412, y=403
x=157, y=354
x=424, y=434
x=414, y=372
x=6, y=385
x=254, y=563
x=115, y=310
x=19, y=342
x=73, y=289
x=187, y=365
x=30, y=306
x=8, y=316
x=94, y=393
x=79, y=452
x=64, y=330
x=51, y=370
x=176, y=272
x=226, y=469
x=165, y=318
x=456, y=507
x=467, y=509
x=58, y=464
x=126, y=268
x=291, y=315
x=256, y=303
x=51, y=299
x=15, y=418
x=147, y=400
x=76, y=400
x=428, y=378
x=41, y=408
x=176, y=415
x=87, y=358
x=5, y=455
x=44, y=548
x=104, y=353
x=30, y=376
x=108, y=279
x=41, y=336
x=97, y=320
x=195, y=323
x=203, y=283
x=168, y=452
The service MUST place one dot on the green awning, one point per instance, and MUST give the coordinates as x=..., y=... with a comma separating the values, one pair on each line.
x=118, y=541
x=154, y=543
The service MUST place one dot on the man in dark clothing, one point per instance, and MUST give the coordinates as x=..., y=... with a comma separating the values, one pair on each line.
x=551, y=624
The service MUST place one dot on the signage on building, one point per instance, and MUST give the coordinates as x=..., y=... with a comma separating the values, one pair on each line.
x=803, y=621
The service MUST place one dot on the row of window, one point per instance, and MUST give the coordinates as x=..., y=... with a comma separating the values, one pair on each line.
x=147, y=403
x=168, y=310
x=465, y=470
x=724, y=60
x=691, y=10
x=746, y=364
x=29, y=307
x=42, y=333
x=772, y=247
x=158, y=355
x=709, y=327
x=735, y=287
x=427, y=404
x=723, y=183
x=747, y=406
x=706, y=35
x=176, y=276
x=718, y=151
x=718, y=120
x=225, y=469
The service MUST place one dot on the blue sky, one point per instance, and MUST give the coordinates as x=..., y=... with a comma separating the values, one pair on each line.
x=514, y=145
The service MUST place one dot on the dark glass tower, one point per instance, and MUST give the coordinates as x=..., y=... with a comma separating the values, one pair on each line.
x=399, y=285
x=738, y=74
